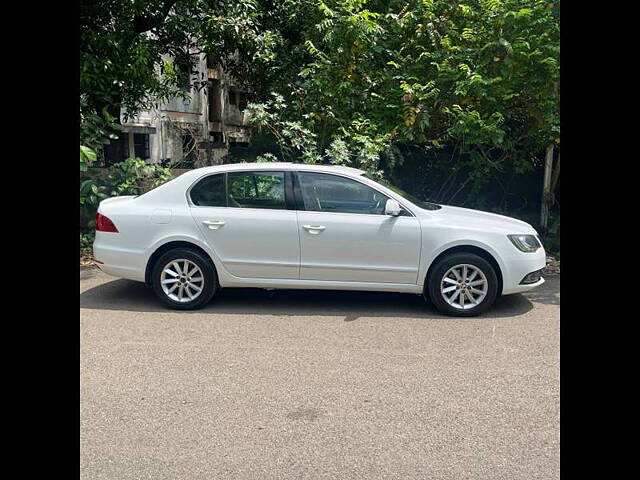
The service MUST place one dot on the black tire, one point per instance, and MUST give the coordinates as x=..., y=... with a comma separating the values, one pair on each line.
x=432, y=288
x=210, y=277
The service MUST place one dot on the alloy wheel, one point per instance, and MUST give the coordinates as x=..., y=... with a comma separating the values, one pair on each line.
x=464, y=286
x=182, y=280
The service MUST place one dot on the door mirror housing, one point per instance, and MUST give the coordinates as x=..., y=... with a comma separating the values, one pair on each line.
x=392, y=208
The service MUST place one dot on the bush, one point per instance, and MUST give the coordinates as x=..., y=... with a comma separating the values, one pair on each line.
x=86, y=239
x=134, y=176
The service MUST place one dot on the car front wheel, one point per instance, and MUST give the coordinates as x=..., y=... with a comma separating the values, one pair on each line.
x=184, y=279
x=462, y=285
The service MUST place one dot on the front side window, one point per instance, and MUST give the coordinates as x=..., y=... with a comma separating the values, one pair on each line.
x=256, y=189
x=209, y=192
x=416, y=201
x=323, y=192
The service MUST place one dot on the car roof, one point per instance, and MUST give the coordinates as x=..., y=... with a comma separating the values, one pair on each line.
x=280, y=166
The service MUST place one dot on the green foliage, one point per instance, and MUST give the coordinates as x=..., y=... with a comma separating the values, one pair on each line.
x=97, y=130
x=352, y=145
x=259, y=42
x=91, y=194
x=293, y=138
x=86, y=239
x=134, y=176
x=346, y=80
x=122, y=44
x=87, y=157
x=266, y=158
x=359, y=78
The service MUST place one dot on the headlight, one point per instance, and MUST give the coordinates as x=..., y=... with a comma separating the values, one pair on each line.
x=525, y=243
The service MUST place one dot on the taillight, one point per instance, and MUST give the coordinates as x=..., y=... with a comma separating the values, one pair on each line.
x=104, y=224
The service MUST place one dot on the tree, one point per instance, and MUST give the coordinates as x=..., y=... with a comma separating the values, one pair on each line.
x=132, y=55
x=361, y=78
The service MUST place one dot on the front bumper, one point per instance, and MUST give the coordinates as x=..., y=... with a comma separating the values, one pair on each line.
x=523, y=288
x=518, y=266
x=532, y=277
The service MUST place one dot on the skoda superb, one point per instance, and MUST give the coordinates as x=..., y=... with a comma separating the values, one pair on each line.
x=277, y=225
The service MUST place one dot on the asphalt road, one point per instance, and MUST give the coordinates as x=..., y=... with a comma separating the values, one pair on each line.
x=295, y=385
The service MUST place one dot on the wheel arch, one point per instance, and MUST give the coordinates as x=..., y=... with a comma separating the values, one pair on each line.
x=469, y=248
x=170, y=245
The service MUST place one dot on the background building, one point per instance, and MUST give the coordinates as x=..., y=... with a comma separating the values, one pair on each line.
x=188, y=133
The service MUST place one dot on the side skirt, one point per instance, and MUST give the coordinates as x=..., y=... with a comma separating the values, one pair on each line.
x=318, y=285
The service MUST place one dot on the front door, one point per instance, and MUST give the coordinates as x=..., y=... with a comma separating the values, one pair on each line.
x=245, y=220
x=345, y=235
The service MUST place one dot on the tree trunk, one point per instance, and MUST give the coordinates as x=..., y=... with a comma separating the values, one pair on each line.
x=546, y=189
x=556, y=175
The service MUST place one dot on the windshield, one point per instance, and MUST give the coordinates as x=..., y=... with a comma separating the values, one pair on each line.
x=408, y=196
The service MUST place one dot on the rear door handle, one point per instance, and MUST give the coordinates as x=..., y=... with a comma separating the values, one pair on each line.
x=213, y=225
x=314, y=229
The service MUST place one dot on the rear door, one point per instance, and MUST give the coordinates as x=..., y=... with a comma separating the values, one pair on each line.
x=246, y=220
x=345, y=235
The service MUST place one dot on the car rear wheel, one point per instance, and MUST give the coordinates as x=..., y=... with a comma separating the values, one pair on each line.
x=184, y=279
x=462, y=285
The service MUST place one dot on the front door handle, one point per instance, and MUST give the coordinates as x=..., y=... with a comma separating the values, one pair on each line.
x=213, y=225
x=314, y=229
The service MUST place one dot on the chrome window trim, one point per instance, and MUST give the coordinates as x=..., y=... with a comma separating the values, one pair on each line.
x=295, y=171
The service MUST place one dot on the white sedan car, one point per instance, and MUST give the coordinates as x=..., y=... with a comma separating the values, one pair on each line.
x=283, y=225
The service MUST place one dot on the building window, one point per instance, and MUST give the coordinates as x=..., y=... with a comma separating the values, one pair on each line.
x=141, y=145
x=188, y=151
x=214, y=97
x=117, y=150
x=183, y=71
x=237, y=98
x=243, y=101
x=233, y=99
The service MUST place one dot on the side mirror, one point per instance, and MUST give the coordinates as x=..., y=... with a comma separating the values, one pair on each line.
x=392, y=208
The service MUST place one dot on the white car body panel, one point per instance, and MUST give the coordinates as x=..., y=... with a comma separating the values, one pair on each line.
x=252, y=243
x=359, y=248
x=271, y=248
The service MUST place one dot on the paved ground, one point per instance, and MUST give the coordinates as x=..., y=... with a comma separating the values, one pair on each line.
x=295, y=384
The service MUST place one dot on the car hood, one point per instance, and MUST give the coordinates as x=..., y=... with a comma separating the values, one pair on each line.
x=468, y=218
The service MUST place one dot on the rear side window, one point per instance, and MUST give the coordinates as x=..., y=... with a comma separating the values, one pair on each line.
x=240, y=190
x=209, y=192
x=256, y=189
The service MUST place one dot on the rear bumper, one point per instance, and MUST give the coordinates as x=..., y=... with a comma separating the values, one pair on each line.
x=121, y=272
x=116, y=260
